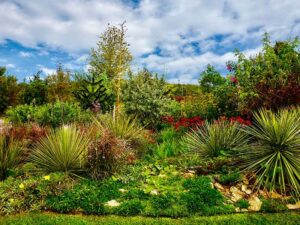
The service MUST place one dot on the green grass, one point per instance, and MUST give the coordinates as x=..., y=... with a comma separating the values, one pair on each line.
x=241, y=219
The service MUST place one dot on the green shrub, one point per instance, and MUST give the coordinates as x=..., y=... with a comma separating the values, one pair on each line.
x=53, y=115
x=86, y=196
x=107, y=155
x=230, y=178
x=216, y=139
x=123, y=127
x=30, y=193
x=62, y=150
x=273, y=205
x=200, y=195
x=11, y=152
x=130, y=208
x=242, y=203
x=275, y=156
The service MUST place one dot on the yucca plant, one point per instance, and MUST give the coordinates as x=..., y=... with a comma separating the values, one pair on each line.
x=10, y=154
x=275, y=155
x=216, y=139
x=122, y=126
x=62, y=150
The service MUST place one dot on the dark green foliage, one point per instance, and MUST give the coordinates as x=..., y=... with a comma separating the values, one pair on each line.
x=230, y=178
x=271, y=78
x=145, y=96
x=87, y=196
x=210, y=79
x=130, y=208
x=36, y=92
x=49, y=114
x=201, y=195
x=242, y=204
x=8, y=90
x=273, y=205
x=94, y=91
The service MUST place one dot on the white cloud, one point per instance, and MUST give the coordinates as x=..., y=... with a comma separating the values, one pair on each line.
x=25, y=54
x=170, y=25
x=47, y=71
x=10, y=65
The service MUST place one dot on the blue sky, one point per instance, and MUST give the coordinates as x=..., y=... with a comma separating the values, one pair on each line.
x=175, y=37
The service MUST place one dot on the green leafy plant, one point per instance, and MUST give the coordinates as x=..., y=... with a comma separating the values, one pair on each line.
x=62, y=150
x=10, y=154
x=273, y=205
x=275, y=156
x=130, y=208
x=230, y=178
x=216, y=139
x=242, y=204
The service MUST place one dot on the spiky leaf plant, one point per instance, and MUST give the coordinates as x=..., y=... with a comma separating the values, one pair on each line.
x=275, y=156
x=122, y=126
x=62, y=150
x=216, y=139
x=10, y=154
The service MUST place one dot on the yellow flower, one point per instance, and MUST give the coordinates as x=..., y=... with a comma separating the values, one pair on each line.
x=21, y=186
x=47, y=177
x=11, y=200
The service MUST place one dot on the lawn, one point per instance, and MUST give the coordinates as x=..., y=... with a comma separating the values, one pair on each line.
x=47, y=218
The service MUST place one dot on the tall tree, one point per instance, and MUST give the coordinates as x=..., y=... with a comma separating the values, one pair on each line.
x=210, y=79
x=112, y=56
x=8, y=90
x=59, y=85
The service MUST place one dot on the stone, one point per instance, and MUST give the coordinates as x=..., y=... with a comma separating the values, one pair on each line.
x=122, y=190
x=293, y=206
x=112, y=203
x=237, y=209
x=244, y=210
x=236, y=194
x=219, y=186
x=244, y=187
x=255, y=204
x=154, y=192
x=188, y=175
x=248, y=191
x=275, y=195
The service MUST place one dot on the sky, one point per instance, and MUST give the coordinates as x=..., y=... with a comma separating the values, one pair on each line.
x=177, y=38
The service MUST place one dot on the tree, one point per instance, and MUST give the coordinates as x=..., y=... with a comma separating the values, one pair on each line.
x=9, y=90
x=145, y=95
x=94, y=91
x=210, y=79
x=112, y=56
x=271, y=79
x=59, y=85
x=36, y=91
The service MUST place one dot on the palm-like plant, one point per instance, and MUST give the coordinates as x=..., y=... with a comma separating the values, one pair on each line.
x=10, y=154
x=122, y=126
x=275, y=156
x=216, y=139
x=62, y=150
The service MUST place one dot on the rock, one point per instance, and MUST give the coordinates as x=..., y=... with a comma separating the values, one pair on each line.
x=294, y=206
x=219, y=187
x=255, y=204
x=244, y=210
x=275, y=195
x=154, y=192
x=122, y=190
x=248, y=191
x=188, y=175
x=112, y=203
x=263, y=193
x=244, y=187
x=191, y=171
x=236, y=194
x=237, y=209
